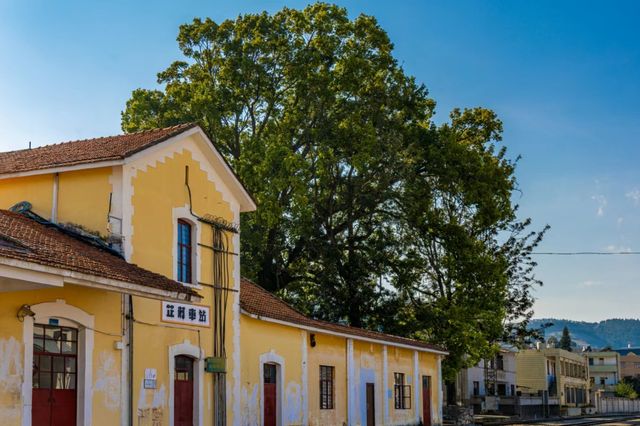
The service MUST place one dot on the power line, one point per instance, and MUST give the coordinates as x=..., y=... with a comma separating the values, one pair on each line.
x=580, y=253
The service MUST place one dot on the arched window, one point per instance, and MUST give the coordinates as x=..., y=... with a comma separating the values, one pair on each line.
x=184, y=251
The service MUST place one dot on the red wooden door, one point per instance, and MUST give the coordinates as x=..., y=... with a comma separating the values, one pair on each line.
x=54, y=397
x=270, y=398
x=426, y=400
x=183, y=391
x=371, y=405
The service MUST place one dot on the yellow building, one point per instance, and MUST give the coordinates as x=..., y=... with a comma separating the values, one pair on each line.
x=559, y=373
x=121, y=297
x=339, y=374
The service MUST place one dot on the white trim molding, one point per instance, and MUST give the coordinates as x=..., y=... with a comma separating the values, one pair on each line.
x=385, y=385
x=273, y=358
x=439, y=390
x=186, y=348
x=416, y=385
x=351, y=386
x=85, y=324
x=305, y=378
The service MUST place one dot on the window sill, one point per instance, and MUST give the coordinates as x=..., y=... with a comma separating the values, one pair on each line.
x=190, y=285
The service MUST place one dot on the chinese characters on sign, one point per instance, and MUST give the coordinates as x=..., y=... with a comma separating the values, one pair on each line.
x=184, y=313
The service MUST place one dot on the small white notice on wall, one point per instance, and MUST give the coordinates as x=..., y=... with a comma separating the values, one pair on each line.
x=150, y=378
x=184, y=313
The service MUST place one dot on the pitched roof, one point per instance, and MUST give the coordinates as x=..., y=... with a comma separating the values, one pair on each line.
x=257, y=301
x=86, y=151
x=24, y=239
x=627, y=351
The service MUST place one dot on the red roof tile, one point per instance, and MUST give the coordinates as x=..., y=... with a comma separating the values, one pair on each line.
x=26, y=240
x=257, y=301
x=85, y=151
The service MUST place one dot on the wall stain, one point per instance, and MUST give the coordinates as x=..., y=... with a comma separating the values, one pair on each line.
x=10, y=379
x=108, y=381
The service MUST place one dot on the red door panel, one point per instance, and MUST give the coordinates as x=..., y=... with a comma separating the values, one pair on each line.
x=41, y=407
x=54, y=397
x=183, y=392
x=426, y=400
x=270, y=372
x=184, y=403
x=63, y=407
x=270, y=404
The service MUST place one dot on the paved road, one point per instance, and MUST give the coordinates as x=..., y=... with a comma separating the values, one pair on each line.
x=622, y=421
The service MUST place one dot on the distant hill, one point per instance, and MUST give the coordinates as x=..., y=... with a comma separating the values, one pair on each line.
x=617, y=333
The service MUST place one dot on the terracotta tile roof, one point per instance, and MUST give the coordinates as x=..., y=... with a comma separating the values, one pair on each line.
x=85, y=151
x=24, y=239
x=257, y=301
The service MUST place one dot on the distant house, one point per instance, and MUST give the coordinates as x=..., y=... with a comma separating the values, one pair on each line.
x=604, y=369
x=491, y=384
x=629, y=362
x=561, y=375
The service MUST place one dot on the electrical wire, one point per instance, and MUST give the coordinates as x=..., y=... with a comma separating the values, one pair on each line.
x=585, y=253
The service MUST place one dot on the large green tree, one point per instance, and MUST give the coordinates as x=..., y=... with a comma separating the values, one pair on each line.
x=368, y=212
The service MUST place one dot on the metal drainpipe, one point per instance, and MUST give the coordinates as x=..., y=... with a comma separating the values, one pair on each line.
x=130, y=315
x=54, y=203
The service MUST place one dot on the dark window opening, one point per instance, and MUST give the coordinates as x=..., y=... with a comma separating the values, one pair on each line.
x=326, y=387
x=502, y=389
x=184, y=252
x=402, y=392
x=500, y=362
x=55, y=351
x=270, y=371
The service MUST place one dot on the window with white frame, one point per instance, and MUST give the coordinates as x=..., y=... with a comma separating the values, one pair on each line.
x=185, y=252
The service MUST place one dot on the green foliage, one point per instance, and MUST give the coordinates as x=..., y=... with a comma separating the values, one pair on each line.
x=552, y=342
x=565, y=341
x=625, y=389
x=368, y=212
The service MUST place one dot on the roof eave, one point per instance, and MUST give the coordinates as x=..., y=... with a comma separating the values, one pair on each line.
x=93, y=281
x=344, y=335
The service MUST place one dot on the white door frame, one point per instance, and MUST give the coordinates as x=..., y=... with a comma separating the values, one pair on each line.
x=186, y=348
x=278, y=361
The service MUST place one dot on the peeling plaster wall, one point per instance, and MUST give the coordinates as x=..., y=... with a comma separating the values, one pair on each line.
x=368, y=369
x=105, y=359
x=107, y=381
x=258, y=338
x=10, y=381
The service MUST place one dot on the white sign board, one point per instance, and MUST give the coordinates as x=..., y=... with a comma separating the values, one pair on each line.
x=150, y=378
x=184, y=313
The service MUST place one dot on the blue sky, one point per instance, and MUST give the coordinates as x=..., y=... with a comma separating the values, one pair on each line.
x=563, y=76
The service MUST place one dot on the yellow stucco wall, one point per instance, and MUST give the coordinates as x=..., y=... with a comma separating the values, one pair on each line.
x=106, y=360
x=331, y=351
x=158, y=190
x=83, y=198
x=286, y=342
x=259, y=338
x=38, y=190
x=429, y=367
